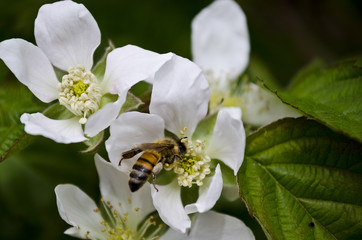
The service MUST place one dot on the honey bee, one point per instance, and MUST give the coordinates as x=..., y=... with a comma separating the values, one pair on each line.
x=151, y=162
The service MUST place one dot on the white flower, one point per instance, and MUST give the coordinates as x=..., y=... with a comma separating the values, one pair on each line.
x=125, y=215
x=179, y=102
x=220, y=42
x=213, y=226
x=125, y=212
x=220, y=46
x=67, y=36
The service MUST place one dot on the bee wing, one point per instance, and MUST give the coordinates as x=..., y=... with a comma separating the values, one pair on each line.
x=156, y=147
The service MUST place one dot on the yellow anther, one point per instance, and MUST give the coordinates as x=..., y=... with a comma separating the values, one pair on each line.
x=193, y=167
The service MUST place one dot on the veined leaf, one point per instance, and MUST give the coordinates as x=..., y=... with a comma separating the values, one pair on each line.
x=331, y=95
x=13, y=139
x=303, y=181
x=14, y=100
x=93, y=143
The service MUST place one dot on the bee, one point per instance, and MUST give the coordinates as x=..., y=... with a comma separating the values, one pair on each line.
x=151, y=162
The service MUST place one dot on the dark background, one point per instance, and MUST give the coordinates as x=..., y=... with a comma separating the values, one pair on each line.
x=285, y=36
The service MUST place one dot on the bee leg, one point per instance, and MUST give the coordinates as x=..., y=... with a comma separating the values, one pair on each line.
x=120, y=161
x=172, y=159
x=155, y=171
x=154, y=181
x=179, y=157
x=129, y=154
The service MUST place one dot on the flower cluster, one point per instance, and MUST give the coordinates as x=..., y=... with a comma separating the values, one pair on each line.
x=191, y=102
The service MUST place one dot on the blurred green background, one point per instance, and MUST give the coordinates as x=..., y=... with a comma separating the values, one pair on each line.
x=285, y=36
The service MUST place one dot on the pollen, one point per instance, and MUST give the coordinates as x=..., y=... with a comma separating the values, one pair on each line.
x=80, y=93
x=224, y=98
x=194, y=166
x=117, y=226
x=222, y=92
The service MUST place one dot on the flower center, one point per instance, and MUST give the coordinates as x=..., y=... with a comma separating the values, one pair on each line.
x=223, y=97
x=117, y=228
x=194, y=166
x=79, y=88
x=221, y=92
x=80, y=93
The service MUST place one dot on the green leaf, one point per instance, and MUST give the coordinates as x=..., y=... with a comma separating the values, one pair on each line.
x=132, y=103
x=205, y=128
x=100, y=67
x=330, y=95
x=108, y=98
x=27, y=182
x=57, y=111
x=228, y=176
x=13, y=139
x=303, y=181
x=15, y=99
x=93, y=143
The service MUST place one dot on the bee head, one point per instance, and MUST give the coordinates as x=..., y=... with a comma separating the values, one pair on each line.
x=181, y=146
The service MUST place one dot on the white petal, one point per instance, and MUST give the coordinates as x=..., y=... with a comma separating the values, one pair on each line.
x=130, y=129
x=61, y=131
x=101, y=119
x=209, y=193
x=31, y=67
x=174, y=235
x=217, y=226
x=261, y=107
x=167, y=202
x=67, y=33
x=130, y=64
x=77, y=209
x=180, y=95
x=228, y=140
x=234, y=112
x=114, y=188
x=220, y=40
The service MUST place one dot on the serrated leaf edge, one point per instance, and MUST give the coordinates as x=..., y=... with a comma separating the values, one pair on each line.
x=296, y=199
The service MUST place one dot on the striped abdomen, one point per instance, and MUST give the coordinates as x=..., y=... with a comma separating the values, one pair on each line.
x=142, y=169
